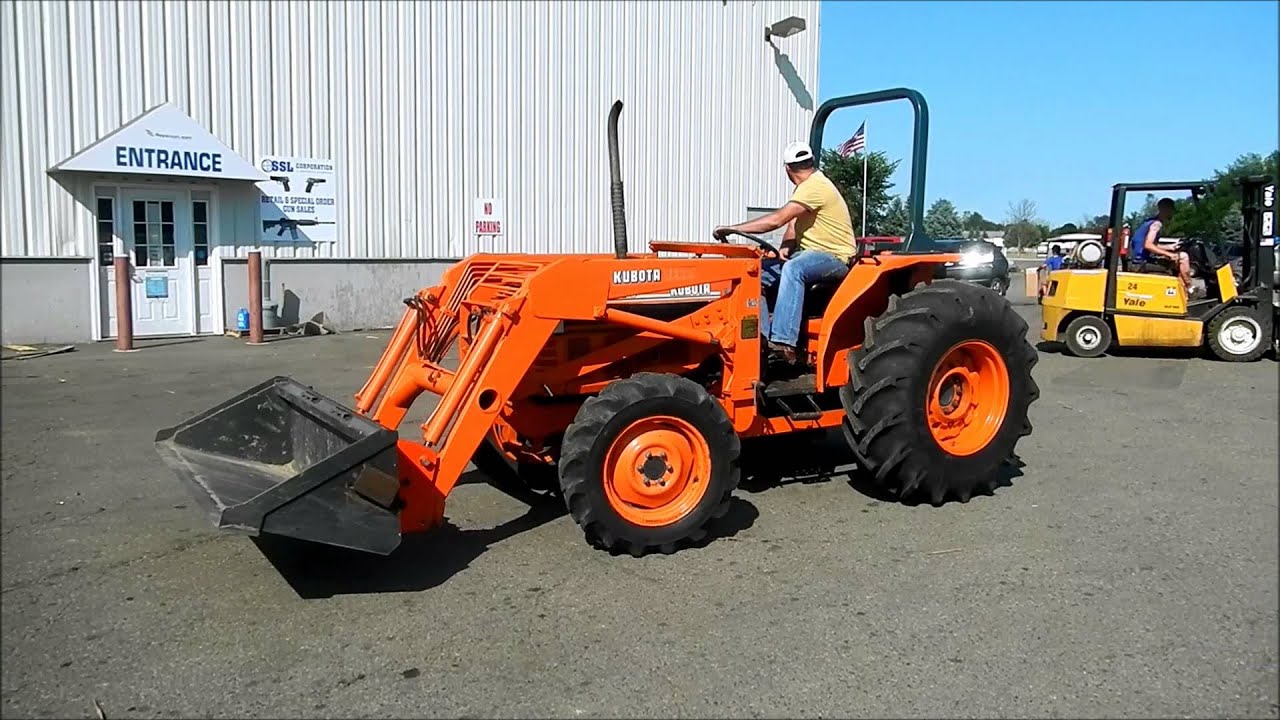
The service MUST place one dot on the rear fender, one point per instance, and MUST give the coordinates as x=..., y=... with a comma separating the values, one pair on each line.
x=865, y=293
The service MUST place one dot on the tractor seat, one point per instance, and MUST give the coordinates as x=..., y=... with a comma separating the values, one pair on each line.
x=817, y=297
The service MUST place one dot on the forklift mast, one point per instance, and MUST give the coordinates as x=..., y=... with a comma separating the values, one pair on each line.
x=1258, y=244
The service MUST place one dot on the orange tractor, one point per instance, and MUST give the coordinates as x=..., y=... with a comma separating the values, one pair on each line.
x=625, y=382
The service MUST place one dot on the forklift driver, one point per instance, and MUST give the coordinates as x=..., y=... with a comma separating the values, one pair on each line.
x=1146, y=256
x=817, y=248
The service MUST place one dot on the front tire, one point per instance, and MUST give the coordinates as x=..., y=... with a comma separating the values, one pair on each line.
x=1235, y=335
x=648, y=463
x=1088, y=336
x=939, y=391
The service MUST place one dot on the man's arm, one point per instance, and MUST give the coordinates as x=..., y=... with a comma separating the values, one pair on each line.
x=774, y=220
x=1152, y=247
x=788, y=239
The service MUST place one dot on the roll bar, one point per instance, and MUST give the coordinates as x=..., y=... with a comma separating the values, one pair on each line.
x=916, y=239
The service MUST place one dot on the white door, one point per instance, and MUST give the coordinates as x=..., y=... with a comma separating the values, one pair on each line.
x=157, y=235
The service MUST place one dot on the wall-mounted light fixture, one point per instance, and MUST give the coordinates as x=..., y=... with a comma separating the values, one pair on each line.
x=785, y=27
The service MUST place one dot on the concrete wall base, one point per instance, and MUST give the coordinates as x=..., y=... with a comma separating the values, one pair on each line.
x=45, y=301
x=354, y=294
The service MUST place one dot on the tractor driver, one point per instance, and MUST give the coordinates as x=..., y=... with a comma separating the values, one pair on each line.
x=1146, y=255
x=818, y=247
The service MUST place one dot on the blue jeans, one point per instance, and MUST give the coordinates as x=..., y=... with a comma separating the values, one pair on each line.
x=787, y=281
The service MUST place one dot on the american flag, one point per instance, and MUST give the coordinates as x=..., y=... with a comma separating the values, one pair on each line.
x=856, y=143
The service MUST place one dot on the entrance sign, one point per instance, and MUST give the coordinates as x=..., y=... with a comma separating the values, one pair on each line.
x=162, y=141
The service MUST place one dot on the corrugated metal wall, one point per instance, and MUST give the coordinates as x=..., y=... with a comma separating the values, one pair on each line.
x=424, y=107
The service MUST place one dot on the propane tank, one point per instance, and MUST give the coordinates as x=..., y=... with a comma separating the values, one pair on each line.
x=1087, y=254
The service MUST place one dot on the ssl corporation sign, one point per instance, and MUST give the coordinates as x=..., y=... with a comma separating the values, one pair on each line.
x=488, y=216
x=299, y=200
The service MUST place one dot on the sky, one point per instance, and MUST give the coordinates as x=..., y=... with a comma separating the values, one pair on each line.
x=1056, y=101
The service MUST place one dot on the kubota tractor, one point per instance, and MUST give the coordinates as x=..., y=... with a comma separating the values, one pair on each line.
x=625, y=382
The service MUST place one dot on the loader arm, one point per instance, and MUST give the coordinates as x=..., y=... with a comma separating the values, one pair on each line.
x=500, y=313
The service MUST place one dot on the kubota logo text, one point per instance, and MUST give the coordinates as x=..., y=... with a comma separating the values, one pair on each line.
x=630, y=277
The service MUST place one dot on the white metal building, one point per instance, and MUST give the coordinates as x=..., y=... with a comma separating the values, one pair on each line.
x=411, y=134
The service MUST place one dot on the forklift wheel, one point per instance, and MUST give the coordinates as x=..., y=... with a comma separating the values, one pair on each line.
x=1088, y=336
x=648, y=463
x=1235, y=335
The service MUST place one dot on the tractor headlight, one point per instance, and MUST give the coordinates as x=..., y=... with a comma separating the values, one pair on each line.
x=973, y=258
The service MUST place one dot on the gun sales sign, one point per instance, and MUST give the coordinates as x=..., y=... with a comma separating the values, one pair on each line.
x=299, y=200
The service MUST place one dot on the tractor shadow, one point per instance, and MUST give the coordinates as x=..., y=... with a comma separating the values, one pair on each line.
x=821, y=456
x=427, y=560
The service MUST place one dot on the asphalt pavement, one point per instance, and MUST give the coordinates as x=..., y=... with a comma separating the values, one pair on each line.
x=1129, y=570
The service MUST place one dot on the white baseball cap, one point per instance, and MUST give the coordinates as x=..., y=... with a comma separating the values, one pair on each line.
x=797, y=152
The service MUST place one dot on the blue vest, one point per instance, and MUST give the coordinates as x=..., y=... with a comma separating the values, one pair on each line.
x=1138, y=241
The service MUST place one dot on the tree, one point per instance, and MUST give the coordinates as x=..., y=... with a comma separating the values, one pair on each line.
x=943, y=221
x=1064, y=229
x=1094, y=223
x=846, y=174
x=1231, y=228
x=1023, y=228
x=1210, y=217
x=896, y=221
x=975, y=225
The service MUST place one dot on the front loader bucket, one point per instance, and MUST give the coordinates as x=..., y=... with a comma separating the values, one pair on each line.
x=282, y=459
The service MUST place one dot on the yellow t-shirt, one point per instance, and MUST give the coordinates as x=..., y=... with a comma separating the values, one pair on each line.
x=827, y=227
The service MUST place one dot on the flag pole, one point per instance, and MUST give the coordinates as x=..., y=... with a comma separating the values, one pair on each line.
x=866, y=158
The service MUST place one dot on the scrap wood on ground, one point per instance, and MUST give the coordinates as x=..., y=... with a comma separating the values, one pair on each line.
x=27, y=352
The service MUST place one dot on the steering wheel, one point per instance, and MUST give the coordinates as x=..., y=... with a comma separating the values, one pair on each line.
x=764, y=245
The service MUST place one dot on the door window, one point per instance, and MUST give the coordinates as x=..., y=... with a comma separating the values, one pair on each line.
x=153, y=234
x=106, y=233
x=200, y=230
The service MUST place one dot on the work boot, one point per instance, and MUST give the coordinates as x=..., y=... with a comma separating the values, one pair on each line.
x=782, y=353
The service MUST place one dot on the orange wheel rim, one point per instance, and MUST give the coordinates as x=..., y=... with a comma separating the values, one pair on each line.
x=968, y=397
x=657, y=470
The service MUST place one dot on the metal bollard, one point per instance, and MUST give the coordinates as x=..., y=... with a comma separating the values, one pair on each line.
x=255, y=297
x=124, y=302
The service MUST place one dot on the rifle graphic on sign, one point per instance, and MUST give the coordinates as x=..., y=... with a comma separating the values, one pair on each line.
x=290, y=225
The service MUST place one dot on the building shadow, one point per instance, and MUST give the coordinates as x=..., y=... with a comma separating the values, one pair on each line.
x=149, y=344
x=290, y=306
x=794, y=83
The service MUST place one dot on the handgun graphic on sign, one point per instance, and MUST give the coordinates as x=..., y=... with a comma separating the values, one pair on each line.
x=283, y=180
x=290, y=225
x=312, y=182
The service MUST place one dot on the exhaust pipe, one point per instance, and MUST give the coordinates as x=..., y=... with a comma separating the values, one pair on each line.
x=615, y=186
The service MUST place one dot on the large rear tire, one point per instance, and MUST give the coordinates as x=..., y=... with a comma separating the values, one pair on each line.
x=648, y=463
x=939, y=392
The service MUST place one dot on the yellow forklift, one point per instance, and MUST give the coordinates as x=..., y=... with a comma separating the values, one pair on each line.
x=1094, y=302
